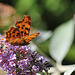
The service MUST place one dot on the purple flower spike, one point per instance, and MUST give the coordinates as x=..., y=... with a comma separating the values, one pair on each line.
x=20, y=60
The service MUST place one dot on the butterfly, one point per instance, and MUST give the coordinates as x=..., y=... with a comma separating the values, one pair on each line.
x=19, y=35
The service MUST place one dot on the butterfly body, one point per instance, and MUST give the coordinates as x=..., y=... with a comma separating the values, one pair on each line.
x=20, y=34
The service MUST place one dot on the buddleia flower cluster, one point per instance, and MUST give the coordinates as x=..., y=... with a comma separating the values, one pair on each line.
x=20, y=60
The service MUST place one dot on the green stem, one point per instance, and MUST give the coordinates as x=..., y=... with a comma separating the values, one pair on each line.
x=46, y=72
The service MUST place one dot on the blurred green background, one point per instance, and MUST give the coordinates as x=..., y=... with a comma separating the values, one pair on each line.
x=46, y=16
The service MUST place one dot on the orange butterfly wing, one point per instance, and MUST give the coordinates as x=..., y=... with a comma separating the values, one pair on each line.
x=29, y=38
x=17, y=41
x=24, y=26
x=24, y=40
x=11, y=34
x=20, y=34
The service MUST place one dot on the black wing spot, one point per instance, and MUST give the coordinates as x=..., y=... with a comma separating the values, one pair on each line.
x=25, y=33
x=13, y=31
x=13, y=35
x=26, y=22
x=22, y=27
x=29, y=23
x=27, y=28
x=18, y=33
x=21, y=31
x=10, y=34
x=18, y=26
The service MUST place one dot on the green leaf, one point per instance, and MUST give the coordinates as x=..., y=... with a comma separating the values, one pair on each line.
x=69, y=71
x=61, y=41
x=71, y=54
